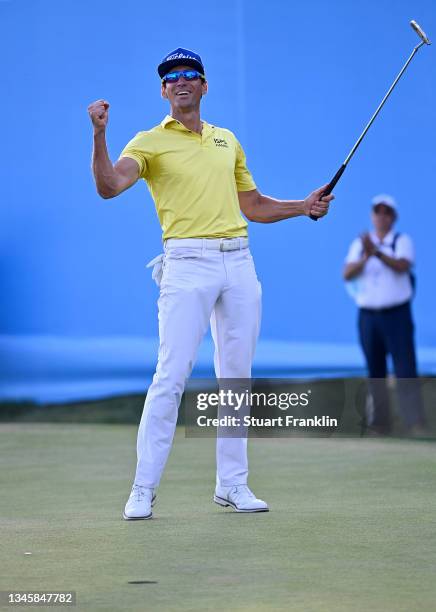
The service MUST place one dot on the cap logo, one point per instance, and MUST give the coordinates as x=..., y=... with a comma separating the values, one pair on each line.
x=179, y=56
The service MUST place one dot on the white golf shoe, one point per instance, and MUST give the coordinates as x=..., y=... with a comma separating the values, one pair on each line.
x=139, y=504
x=240, y=498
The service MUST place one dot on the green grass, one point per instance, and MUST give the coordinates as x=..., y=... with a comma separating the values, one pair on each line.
x=352, y=524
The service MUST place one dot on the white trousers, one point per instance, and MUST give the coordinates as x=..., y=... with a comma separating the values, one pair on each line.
x=199, y=285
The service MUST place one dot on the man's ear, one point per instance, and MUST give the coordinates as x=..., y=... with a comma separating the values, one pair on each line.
x=204, y=88
x=163, y=91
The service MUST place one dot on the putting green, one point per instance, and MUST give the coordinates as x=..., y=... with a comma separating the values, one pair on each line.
x=352, y=524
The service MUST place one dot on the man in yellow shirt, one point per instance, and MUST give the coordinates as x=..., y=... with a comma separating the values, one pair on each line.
x=198, y=178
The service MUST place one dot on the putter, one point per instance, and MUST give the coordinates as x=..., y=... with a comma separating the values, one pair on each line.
x=424, y=41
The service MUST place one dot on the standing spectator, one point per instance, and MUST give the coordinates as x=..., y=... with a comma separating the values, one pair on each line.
x=379, y=263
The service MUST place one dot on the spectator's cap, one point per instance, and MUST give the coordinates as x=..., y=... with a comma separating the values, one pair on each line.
x=180, y=57
x=387, y=200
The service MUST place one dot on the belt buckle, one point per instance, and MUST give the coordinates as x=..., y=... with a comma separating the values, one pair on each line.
x=229, y=244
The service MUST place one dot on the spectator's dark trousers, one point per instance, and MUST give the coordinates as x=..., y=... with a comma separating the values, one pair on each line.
x=390, y=331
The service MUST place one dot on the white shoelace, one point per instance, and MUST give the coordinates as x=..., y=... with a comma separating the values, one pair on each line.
x=138, y=492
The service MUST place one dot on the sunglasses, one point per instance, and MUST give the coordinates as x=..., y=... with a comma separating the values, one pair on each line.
x=388, y=211
x=189, y=75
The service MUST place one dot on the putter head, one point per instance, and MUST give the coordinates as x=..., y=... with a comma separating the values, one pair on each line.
x=422, y=35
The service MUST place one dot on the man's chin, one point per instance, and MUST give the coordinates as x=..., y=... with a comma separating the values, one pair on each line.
x=186, y=106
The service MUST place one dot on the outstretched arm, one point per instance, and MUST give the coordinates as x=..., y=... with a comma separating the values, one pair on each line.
x=263, y=209
x=110, y=179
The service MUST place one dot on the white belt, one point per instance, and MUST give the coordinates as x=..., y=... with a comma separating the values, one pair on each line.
x=216, y=244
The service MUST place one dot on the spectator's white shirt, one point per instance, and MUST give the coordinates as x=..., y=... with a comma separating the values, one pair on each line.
x=378, y=286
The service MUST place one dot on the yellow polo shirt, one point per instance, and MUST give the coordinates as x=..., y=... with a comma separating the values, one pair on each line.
x=193, y=179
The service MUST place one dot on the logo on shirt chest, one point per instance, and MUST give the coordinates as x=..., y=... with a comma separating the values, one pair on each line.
x=220, y=142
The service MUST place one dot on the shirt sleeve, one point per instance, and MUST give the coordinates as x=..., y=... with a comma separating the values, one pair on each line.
x=244, y=180
x=140, y=150
x=354, y=252
x=404, y=248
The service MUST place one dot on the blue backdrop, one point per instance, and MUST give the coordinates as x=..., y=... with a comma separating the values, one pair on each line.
x=296, y=81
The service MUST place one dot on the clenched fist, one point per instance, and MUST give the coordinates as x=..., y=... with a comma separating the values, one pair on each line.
x=99, y=113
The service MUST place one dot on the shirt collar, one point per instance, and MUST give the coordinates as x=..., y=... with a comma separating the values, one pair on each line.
x=168, y=120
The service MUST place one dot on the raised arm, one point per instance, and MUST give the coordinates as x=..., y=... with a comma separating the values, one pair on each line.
x=110, y=179
x=263, y=209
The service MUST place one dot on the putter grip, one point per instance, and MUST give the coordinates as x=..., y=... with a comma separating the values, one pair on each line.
x=331, y=186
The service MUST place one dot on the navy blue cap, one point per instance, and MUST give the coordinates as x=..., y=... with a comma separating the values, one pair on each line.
x=180, y=57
